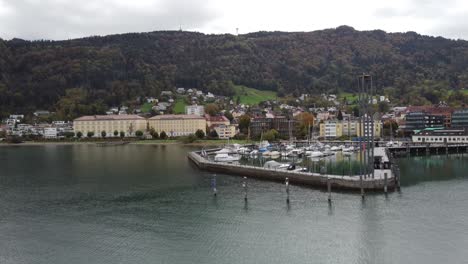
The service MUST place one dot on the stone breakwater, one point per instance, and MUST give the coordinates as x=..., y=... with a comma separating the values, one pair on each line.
x=381, y=177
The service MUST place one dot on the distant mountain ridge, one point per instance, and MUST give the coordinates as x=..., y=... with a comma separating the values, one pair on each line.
x=115, y=68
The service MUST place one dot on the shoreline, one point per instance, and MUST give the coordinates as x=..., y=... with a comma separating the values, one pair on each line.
x=137, y=142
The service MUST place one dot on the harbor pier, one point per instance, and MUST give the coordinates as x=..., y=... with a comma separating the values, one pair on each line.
x=383, y=177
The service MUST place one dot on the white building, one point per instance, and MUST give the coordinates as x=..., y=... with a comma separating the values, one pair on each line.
x=50, y=132
x=198, y=110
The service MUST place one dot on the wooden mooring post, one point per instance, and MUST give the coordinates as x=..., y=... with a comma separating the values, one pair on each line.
x=329, y=189
x=244, y=186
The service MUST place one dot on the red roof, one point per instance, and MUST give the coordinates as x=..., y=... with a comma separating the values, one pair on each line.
x=216, y=118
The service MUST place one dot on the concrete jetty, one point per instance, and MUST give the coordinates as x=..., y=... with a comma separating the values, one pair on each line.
x=381, y=177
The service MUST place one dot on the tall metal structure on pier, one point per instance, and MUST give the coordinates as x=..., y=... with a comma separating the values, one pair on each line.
x=366, y=126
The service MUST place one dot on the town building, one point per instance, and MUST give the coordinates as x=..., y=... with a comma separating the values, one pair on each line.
x=198, y=110
x=177, y=125
x=331, y=129
x=225, y=131
x=128, y=124
x=286, y=127
x=460, y=118
x=216, y=120
x=41, y=113
x=441, y=135
x=50, y=133
x=365, y=129
x=421, y=117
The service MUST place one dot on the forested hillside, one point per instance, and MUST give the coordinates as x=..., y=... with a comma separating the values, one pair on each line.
x=90, y=74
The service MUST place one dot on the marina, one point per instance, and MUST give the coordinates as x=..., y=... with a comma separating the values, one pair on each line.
x=379, y=178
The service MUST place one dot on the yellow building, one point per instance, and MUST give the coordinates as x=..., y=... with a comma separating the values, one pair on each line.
x=128, y=124
x=177, y=125
x=225, y=132
x=366, y=127
x=335, y=128
x=331, y=129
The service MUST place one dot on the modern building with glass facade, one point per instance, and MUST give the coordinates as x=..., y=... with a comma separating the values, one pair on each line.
x=460, y=118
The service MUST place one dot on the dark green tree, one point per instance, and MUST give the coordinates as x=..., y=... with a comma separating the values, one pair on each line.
x=139, y=133
x=163, y=135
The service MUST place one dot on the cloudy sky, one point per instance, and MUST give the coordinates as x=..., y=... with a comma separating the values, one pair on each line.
x=64, y=19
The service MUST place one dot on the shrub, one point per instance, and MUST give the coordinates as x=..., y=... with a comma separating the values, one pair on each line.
x=139, y=133
x=103, y=134
x=213, y=134
x=79, y=134
x=90, y=134
x=116, y=133
x=200, y=134
x=122, y=134
x=69, y=134
x=163, y=135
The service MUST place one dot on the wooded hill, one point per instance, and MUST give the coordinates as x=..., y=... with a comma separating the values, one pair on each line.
x=97, y=72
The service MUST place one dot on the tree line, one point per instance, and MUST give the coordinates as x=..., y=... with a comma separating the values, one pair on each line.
x=85, y=76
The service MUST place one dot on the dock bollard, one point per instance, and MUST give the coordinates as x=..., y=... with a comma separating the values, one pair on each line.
x=329, y=189
x=213, y=185
x=244, y=185
x=287, y=189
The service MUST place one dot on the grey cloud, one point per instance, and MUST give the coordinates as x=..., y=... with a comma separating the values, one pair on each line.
x=54, y=19
x=416, y=8
x=455, y=27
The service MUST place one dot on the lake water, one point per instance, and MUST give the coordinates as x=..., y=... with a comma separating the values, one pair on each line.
x=148, y=204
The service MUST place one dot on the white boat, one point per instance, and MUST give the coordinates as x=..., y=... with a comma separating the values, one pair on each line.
x=264, y=144
x=223, y=157
x=243, y=150
x=254, y=153
x=314, y=154
x=297, y=152
x=335, y=148
x=224, y=151
x=328, y=152
x=275, y=153
x=348, y=149
x=275, y=165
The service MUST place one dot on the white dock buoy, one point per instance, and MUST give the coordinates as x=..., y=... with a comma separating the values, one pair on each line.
x=329, y=189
